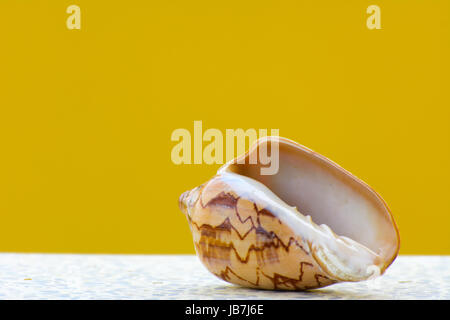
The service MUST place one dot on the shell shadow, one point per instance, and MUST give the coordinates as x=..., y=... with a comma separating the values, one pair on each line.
x=237, y=292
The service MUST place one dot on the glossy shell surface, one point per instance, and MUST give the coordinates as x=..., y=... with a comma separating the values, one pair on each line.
x=244, y=233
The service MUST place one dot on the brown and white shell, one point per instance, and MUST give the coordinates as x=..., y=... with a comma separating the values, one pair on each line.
x=310, y=225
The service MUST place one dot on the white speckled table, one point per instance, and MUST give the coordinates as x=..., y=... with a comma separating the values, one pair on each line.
x=72, y=276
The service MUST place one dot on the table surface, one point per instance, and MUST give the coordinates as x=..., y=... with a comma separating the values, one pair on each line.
x=77, y=276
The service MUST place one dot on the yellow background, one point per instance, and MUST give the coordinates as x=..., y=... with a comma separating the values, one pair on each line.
x=86, y=115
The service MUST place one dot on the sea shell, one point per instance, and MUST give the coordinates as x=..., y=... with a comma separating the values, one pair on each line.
x=310, y=225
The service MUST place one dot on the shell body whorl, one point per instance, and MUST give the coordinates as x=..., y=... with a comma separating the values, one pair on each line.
x=242, y=242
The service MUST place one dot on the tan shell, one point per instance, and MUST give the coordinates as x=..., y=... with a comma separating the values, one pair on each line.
x=247, y=232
